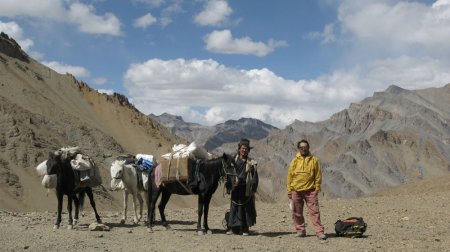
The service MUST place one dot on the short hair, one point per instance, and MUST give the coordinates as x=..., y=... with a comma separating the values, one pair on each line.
x=244, y=141
x=302, y=141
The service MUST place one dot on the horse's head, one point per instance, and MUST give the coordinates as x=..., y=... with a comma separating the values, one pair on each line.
x=229, y=165
x=117, y=169
x=53, y=163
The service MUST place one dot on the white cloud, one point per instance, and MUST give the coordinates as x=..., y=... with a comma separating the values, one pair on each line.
x=409, y=72
x=326, y=36
x=144, y=21
x=15, y=31
x=207, y=92
x=90, y=23
x=57, y=10
x=397, y=24
x=168, y=12
x=223, y=42
x=61, y=68
x=48, y=9
x=152, y=3
x=215, y=12
x=99, y=80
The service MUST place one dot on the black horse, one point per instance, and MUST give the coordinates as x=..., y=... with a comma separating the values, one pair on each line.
x=207, y=176
x=66, y=185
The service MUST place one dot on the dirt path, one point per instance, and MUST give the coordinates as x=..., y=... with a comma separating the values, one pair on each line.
x=418, y=222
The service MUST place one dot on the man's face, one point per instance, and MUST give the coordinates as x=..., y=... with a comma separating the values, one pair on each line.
x=303, y=149
x=243, y=151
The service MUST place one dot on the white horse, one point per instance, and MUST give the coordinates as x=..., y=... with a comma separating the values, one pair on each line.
x=124, y=176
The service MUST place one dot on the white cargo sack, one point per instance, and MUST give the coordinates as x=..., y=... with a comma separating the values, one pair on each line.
x=49, y=181
x=81, y=163
x=183, y=151
x=42, y=168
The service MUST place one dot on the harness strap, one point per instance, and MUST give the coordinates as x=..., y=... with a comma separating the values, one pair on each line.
x=185, y=187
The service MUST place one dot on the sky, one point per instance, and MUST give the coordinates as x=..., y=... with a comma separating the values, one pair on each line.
x=216, y=60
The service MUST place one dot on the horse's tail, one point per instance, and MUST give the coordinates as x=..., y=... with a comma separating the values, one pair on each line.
x=81, y=196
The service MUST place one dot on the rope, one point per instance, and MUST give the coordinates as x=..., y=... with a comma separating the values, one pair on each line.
x=241, y=204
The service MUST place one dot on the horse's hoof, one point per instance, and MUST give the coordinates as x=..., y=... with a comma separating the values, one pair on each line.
x=55, y=227
x=69, y=227
x=200, y=232
x=135, y=222
x=122, y=221
x=149, y=230
x=75, y=221
x=99, y=221
x=167, y=227
x=209, y=232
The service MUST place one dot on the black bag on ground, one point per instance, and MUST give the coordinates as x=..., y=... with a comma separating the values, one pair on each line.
x=226, y=219
x=350, y=227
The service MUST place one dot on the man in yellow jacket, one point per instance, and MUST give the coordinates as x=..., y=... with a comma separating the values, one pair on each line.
x=303, y=185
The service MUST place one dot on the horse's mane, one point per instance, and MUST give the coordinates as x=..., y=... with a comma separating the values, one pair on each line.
x=213, y=161
x=119, y=162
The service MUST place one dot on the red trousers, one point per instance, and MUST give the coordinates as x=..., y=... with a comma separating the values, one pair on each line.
x=312, y=205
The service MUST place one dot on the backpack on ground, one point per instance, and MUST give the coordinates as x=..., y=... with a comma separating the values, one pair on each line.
x=350, y=227
x=225, y=221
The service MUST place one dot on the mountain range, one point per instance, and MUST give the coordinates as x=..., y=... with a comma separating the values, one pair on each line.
x=215, y=136
x=394, y=137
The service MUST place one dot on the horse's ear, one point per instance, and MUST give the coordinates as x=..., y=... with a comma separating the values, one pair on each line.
x=224, y=156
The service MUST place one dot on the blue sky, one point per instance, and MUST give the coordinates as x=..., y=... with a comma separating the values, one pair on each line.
x=210, y=61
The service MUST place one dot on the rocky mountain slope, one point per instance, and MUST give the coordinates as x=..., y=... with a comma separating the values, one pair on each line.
x=212, y=137
x=41, y=111
x=394, y=137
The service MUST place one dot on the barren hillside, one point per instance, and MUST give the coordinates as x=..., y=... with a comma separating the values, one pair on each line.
x=41, y=111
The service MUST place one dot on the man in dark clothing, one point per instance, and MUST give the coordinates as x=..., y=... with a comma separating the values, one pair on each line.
x=243, y=187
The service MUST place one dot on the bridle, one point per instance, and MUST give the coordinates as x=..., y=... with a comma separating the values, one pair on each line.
x=224, y=171
x=119, y=174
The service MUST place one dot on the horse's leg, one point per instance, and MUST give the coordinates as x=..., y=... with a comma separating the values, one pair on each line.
x=206, y=202
x=162, y=205
x=200, y=229
x=59, y=196
x=90, y=194
x=69, y=210
x=77, y=208
x=146, y=203
x=152, y=197
x=141, y=205
x=125, y=206
x=135, y=220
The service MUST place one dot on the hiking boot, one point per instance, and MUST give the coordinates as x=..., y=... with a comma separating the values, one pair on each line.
x=229, y=232
x=322, y=236
x=245, y=234
x=300, y=235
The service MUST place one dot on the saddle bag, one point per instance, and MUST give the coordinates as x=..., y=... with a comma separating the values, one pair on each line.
x=350, y=227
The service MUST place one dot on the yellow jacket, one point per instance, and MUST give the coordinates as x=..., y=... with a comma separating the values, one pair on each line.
x=304, y=174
